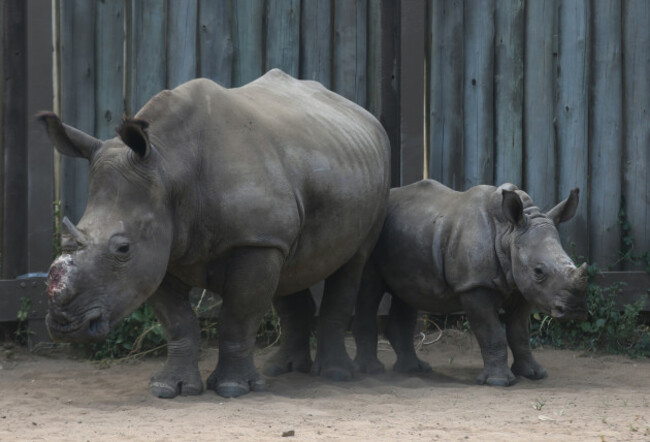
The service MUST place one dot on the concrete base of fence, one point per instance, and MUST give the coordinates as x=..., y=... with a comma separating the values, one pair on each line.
x=26, y=294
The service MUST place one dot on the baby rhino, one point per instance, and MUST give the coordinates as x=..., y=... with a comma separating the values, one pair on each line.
x=479, y=251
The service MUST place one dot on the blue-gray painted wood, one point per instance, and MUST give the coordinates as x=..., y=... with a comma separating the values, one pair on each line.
x=383, y=78
x=215, y=41
x=181, y=57
x=77, y=93
x=349, y=71
x=40, y=170
x=109, y=61
x=316, y=41
x=509, y=92
x=479, y=93
x=283, y=36
x=248, y=29
x=572, y=117
x=147, y=65
x=411, y=73
x=606, y=133
x=636, y=58
x=14, y=140
x=539, y=104
x=445, y=67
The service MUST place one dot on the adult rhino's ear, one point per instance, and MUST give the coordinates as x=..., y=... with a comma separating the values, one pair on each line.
x=66, y=139
x=134, y=134
x=512, y=207
x=565, y=210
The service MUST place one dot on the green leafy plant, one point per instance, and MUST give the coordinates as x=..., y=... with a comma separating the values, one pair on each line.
x=138, y=333
x=607, y=328
x=22, y=330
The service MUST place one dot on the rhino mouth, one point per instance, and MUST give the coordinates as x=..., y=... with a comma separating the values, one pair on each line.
x=87, y=327
x=566, y=313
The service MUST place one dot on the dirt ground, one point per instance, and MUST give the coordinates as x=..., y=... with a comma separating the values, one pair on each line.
x=49, y=396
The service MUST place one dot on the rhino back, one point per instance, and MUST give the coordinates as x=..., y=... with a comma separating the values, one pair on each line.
x=438, y=242
x=276, y=163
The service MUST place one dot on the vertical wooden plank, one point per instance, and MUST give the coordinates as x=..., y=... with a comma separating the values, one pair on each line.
x=181, y=42
x=509, y=92
x=446, y=62
x=479, y=93
x=383, y=79
x=146, y=27
x=572, y=117
x=412, y=38
x=283, y=36
x=606, y=132
x=349, y=71
x=14, y=174
x=636, y=68
x=316, y=41
x=539, y=91
x=77, y=96
x=248, y=29
x=215, y=41
x=109, y=58
x=39, y=149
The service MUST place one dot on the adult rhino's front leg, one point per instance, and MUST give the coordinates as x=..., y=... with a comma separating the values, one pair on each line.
x=482, y=309
x=252, y=277
x=180, y=374
x=518, y=333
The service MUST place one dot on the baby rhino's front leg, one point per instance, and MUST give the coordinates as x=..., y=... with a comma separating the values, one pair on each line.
x=180, y=374
x=482, y=309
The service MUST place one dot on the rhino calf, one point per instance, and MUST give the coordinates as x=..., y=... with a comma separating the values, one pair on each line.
x=255, y=193
x=479, y=251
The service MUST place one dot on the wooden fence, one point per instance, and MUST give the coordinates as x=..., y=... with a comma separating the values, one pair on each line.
x=547, y=94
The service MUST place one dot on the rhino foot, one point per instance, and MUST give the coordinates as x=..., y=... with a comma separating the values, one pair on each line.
x=369, y=365
x=531, y=370
x=167, y=383
x=236, y=387
x=496, y=378
x=335, y=372
x=411, y=366
x=282, y=363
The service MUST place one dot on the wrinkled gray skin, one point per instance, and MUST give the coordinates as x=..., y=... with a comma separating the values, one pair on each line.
x=479, y=251
x=255, y=193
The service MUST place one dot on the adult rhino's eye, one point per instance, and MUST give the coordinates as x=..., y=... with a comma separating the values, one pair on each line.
x=120, y=247
x=539, y=274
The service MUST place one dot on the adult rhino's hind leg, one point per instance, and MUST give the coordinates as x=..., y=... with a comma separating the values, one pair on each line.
x=365, y=328
x=180, y=374
x=252, y=276
x=296, y=313
x=339, y=297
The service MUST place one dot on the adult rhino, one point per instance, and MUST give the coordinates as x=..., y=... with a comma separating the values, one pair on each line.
x=255, y=193
x=483, y=250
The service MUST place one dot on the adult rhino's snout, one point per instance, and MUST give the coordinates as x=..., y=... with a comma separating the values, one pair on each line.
x=58, y=284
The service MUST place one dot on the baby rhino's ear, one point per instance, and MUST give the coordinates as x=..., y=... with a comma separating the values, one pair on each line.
x=66, y=139
x=565, y=210
x=134, y=134
x=512, y=207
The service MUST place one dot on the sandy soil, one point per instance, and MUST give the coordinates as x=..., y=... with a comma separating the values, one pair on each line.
x=48, y=396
